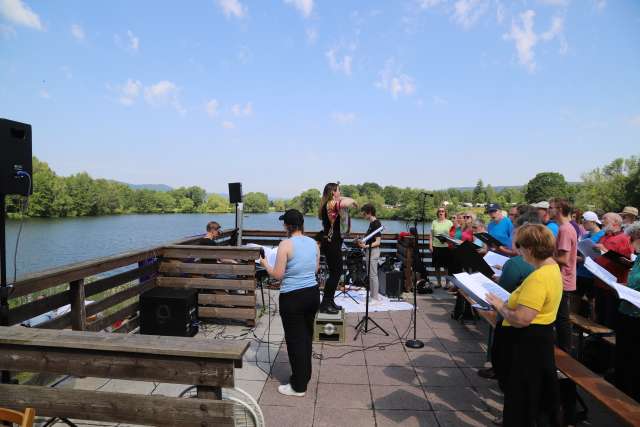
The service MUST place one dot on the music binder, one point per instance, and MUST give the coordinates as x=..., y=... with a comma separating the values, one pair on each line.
x=477, y=286
x=623, y=292
x=446, y=239
x=618, y=258
x=467, y=258
x=489, y=239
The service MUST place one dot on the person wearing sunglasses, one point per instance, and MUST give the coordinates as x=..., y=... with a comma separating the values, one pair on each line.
x=440, y=252
x=528, y=369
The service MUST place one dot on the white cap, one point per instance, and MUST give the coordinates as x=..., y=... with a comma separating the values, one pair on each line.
x=591, y=216
x=541, y=205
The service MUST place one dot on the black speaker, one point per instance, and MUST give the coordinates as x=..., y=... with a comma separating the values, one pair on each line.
x=15, y=162
x=169, y=312
x=235, y=192
x=391, y=283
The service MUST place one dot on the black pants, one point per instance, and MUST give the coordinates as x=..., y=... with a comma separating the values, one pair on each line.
x=298, y=311
x=333, y=254
x=628, y=354
x=527, y=373
x=563, y=323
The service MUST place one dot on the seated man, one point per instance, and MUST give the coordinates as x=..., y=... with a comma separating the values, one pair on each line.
x=213, y=232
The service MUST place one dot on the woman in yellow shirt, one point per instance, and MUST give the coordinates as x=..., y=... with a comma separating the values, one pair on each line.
x=528, y=374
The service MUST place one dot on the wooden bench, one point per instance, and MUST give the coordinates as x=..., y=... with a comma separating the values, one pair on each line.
x=207, y=364
x=625, y=408
x=589, y=327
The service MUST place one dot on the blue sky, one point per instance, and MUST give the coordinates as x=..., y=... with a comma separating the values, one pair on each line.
x=285, y=95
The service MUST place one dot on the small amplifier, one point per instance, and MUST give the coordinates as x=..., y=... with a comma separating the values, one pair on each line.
x=329, y=327
x=391, y=283
x=15, y=162
x=169, y=312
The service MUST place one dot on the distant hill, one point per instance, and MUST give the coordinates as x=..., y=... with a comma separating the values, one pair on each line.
x=154, y=187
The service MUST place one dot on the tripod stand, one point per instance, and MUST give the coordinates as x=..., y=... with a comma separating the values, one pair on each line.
x=363, y=324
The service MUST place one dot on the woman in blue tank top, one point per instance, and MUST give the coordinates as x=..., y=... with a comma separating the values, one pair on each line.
x=296, y=265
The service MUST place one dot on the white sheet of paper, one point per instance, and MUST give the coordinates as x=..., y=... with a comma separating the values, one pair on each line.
x=495, y=259
x=270, y=253
x=624, y=292
x=479, y=285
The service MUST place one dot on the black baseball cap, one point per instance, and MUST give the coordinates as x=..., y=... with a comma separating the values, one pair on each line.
x=492, y=207
x=292, y=217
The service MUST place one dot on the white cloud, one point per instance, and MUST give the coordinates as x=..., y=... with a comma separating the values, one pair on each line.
x=129, y=92
x=600, y=4
x=211, y=107
x=16, y=12
x=77, y=32
x=343, y=118
x=635, y=121
x=305, y=7
x=467, y=12
x=67, y=72
x=394, y=81
x=134, y=41
x=164, y=93
x=45, y=94
x=500, y=12
x=240, y=111
x=232, y=8
x=228, y=125
x=525, y=38
x=312, y=35
x=555, y=2
x=438, y=100
x=337, y=64
x=426, y=4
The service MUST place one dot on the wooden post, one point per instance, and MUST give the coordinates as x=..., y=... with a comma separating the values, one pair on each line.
x=78, y=311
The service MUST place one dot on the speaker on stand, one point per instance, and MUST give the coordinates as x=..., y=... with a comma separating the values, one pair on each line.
x=235, y=197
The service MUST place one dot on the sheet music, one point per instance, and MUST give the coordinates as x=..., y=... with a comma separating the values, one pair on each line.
x=495, y=259
x=368, y=237
x=624, y=292
x=586, y=248
x=478, y=286
x=270, y=253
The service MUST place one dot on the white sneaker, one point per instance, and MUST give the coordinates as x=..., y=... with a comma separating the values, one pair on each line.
x=287, y=390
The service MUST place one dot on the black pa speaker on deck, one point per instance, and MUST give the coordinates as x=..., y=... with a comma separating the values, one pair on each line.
x=15, y=146
x=391, y=283
x=169, y=311
x=235, y=192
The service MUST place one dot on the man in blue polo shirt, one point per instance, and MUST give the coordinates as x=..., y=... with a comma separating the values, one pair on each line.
x=500, y=226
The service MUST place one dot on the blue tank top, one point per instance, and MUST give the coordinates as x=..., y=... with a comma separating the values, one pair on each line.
x=301, y=267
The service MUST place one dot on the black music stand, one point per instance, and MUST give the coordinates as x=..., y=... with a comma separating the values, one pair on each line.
x=363, y=324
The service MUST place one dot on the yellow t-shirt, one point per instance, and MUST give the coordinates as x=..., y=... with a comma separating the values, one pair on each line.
x=541, y=291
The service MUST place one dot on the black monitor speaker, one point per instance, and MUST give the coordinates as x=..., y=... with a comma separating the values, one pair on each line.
x=235, y=192
x=15, y=162
x=169, y=312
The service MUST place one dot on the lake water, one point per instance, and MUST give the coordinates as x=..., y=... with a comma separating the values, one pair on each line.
x=53, y=242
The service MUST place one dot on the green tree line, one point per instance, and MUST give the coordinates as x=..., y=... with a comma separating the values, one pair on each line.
x=608, y=188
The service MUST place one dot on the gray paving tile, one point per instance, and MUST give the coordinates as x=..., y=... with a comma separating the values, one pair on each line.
x=399, y=397
x=405, y=418
x=392, y=375
x=492, y=398
x=87, y=383
x=254, y=388
x=467, y=346
x=286, y=416
x=271, y=396
x=454, y=399
x=342, y=356
x=126, y=386
x=347, y=396
x=430, y=344
x=434, y=359
x=442, y=377
x=172, y=390
x=471, y=360
x=330, y=417
x=343, y=374
x=464, y=419
x=475, y=379
x=376, y=357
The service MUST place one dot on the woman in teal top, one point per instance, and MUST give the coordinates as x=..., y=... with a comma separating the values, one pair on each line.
x=296, y=265
x=628, y=328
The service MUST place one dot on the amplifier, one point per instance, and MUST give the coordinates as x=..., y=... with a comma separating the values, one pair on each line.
x=329, y=327
x=170, y=312
x=391, y=283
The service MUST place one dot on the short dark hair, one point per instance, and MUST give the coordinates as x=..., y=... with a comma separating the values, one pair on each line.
x=368, y=209
x=292, y=228
x=563, y=205
x=212, y=225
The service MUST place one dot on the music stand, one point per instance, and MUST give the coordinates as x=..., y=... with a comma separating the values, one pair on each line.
x=344, y=290
x=363, y=324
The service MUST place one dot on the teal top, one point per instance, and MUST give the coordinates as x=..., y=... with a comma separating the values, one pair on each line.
x=634, y=283
x=301, y=267
x=514, y=271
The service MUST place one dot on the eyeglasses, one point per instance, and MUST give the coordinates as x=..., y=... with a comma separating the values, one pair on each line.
x=467, y=217
x=440, y=212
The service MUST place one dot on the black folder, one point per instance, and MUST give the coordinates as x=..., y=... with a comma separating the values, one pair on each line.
x=489, y=239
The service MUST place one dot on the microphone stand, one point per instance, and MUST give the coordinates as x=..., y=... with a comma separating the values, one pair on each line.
x=363, y=324
x=415, y=342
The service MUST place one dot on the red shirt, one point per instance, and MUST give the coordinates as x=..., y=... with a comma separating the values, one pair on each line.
x=620, y=243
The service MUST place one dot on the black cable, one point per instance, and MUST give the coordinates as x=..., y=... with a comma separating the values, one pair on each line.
x=23, y=208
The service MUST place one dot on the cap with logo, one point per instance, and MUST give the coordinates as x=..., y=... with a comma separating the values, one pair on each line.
x=591, y=216
x=493, y=207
